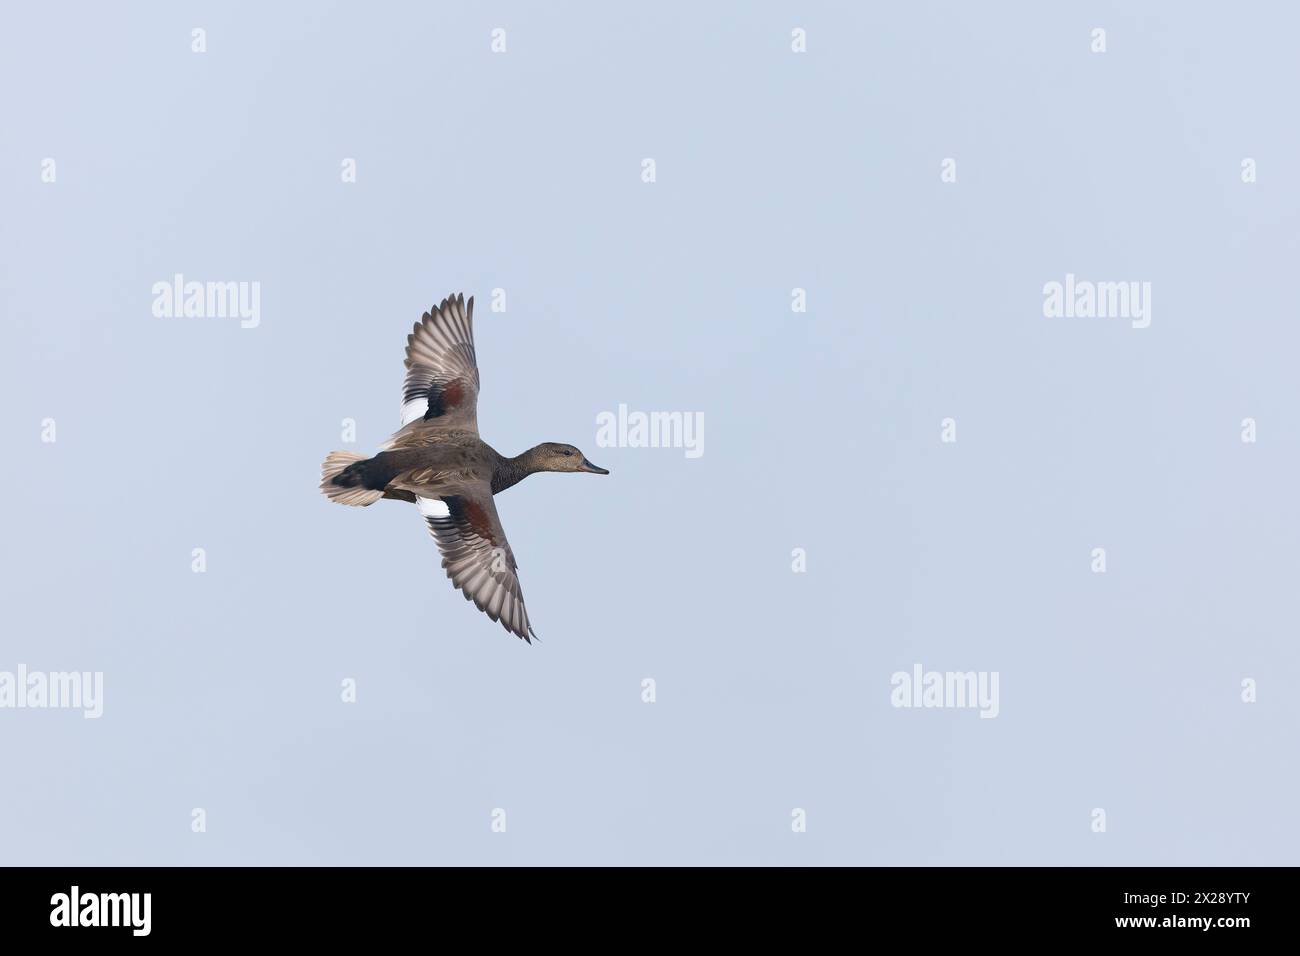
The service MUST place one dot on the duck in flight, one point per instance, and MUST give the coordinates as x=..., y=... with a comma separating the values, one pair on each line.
x=437, y=461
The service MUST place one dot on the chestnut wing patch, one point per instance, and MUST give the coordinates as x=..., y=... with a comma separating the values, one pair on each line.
x=442, y=379
x=478, y=559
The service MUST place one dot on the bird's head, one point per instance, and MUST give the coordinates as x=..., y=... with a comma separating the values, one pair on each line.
x=555, y=456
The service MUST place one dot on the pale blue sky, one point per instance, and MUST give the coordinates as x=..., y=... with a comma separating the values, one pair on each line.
x=774, y=170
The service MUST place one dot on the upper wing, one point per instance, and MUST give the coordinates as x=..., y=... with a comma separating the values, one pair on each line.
x=441, y=367
x=478, y=558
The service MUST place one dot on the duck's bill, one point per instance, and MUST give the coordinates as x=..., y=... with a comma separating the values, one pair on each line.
x=588, y=466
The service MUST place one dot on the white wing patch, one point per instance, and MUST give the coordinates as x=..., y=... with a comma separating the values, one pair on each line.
x=412, y=411
x=432, y=507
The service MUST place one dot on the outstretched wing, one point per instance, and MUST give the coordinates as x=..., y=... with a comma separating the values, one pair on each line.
x=441, y=368
x=478, y=558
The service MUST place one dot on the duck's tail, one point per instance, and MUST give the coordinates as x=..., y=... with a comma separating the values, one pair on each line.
x=341, y=482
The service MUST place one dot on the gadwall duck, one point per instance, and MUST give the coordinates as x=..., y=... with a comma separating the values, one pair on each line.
x=437, y=461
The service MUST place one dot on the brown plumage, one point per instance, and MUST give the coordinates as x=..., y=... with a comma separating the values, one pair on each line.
x=437, y=461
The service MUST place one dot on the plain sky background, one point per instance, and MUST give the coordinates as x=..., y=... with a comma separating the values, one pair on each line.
x=775, y=170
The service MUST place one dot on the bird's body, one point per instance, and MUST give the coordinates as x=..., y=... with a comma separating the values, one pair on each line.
x=434, y=463
x=438, y=461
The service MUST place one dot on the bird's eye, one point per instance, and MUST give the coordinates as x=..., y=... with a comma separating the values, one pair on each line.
x=567, y=453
